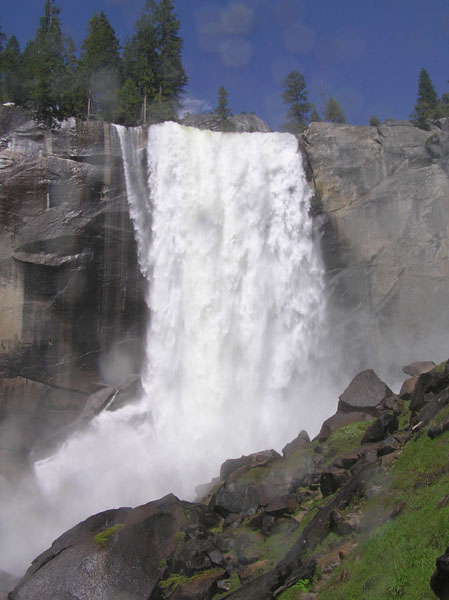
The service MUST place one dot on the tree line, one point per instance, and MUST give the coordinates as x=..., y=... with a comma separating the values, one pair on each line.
x=140, y=84
x=301, y=112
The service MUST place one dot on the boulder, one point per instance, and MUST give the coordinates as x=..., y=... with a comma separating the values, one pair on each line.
x=117, y=553
x=417, y=368
x=339, y=419
x=299, y=443
x=408, y=387
x=439, y=582
x=427, y=387
x=201, y=587
x=365, y=393
x=236, y=497
x=381, y=428
x=331, y=481
x=258, y=459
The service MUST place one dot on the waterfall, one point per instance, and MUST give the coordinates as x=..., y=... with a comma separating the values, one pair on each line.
x=235, y=284
x=235, y=334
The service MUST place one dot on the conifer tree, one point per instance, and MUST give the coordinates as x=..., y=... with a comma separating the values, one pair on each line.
x=139, y=59
x=223, y=110
x=427, y=101
x=295, y=96
x=12, y=75
x=314, y=115
x=170, y=76
x=2, y=40
x=45, y=67
x=99, y=67
x=334, y=112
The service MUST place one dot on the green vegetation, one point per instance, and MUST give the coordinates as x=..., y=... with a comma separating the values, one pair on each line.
x=374, y=121
x=169, y=585
x=295, y=96
x=345, y=439
x=416, y=487
x=102, y=537
x=223, y=111
x=145, y=85
x=334, y=112
x=426, y=103
x=296, y=590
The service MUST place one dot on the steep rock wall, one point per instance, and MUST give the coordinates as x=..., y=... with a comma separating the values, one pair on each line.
x=384, y=194
x=71, y=292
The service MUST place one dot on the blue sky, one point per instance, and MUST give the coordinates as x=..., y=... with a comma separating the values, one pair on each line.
x=366, y=53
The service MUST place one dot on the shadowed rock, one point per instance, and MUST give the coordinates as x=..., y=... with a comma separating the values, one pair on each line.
x=439, y=581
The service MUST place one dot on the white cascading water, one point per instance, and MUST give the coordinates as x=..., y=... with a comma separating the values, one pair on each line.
x=236, y=299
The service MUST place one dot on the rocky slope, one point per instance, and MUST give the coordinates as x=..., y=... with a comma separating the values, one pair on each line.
x=315, y=523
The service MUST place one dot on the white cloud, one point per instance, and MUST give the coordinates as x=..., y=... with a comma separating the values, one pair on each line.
x=234, y=19
x=236, y=52
x=194, y=106
x=220, y=30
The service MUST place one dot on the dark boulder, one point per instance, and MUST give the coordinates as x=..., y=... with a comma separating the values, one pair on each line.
x=331, y=481
x=117, y=553
x=439, y=582
x=258, y=459
x=427, y=387
x=196, y=555
x=338, y=524
x=381, y=428
x=365, y=393
x=236, y=497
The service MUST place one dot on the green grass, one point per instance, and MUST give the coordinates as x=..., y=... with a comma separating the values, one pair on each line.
x=345, y=439
x=295, y=591
x=398, y=558
x=102, y=537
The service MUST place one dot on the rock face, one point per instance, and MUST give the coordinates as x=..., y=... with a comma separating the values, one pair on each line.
x=240, y=123
x=71, y=293
x=383, y=193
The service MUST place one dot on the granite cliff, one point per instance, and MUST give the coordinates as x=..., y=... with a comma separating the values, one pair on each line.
x=384, y=194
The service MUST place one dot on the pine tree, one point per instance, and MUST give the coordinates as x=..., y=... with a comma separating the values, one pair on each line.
x=427, y=101
x=139, y=58
x=74, y=104
x=223, y=111
x=170, y=77
x=334, y=112
x=130, y=103
x=99, y=67
x=2, y=40
x=295, y=96
x=12, y=75
x=44, y=67
x=314, y=115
